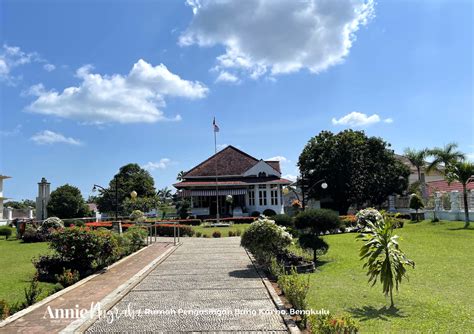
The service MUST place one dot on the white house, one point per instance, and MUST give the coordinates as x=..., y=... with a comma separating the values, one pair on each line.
x=250, y=183
x=3, y=221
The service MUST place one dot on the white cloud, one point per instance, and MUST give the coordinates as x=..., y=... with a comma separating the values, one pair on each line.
x=49, y=67
x=280, y=158
x=290, y=177
x=225, y=76
x=162, y=164
x=359, y=119
x=137, y=97
x=11, y=132
x=277, y=36
x=470, y=156
x=49, y=137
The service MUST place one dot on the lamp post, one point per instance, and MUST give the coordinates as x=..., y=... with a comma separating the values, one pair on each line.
x=323, y=184
x=116, y=195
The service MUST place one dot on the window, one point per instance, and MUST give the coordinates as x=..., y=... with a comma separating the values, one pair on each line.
x=262, y=197
x=262, y=186
x=251, y=197
x=274, y=196
x=200, y=202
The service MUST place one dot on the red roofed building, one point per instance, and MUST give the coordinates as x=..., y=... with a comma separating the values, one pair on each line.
x=255, y=185
x=443, y=186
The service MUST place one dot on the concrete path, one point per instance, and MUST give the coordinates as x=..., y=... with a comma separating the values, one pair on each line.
x=91, y=291
x=206, y=285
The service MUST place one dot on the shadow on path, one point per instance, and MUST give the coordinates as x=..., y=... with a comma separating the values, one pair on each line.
x=370, y=312
x=250, y=272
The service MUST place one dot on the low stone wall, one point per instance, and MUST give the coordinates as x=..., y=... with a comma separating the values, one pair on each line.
x=448, y=215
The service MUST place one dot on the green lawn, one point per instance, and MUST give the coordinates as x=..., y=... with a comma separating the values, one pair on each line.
x=224, y=230
x=17, y=269
x=437, y=298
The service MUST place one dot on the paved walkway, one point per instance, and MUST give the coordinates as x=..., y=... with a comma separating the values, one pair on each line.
x=91, y=291
x=186, y=292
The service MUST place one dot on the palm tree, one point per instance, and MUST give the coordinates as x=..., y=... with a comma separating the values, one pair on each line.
x=418, y=159
x=164, y=194
x=444, y=156
x=384, y=256
x=463, y=172
x=180, y=176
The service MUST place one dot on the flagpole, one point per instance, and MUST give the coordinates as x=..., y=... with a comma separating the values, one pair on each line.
x=217, y=186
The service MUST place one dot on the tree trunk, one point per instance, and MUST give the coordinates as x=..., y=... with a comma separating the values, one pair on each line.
x=315, y=256
x=466, y=207
x=392, y=304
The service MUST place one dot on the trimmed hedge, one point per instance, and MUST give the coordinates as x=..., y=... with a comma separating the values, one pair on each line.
x=167, y=230
x=236, y=220
x=283, y=220
x=5, y=231
x=191, y=222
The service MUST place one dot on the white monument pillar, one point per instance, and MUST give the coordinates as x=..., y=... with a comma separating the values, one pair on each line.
x=437, y=200
x=9, y=214
x=391, y=203
x=454, y=198
x=30, y=212
x=42, y=199
x=2, y=220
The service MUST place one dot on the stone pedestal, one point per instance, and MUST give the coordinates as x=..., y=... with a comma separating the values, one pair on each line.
x=391, y=203
x=438, y=202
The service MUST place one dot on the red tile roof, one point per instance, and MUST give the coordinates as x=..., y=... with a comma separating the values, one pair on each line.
x=235, y=182
x=443, y=185
x=229, y=161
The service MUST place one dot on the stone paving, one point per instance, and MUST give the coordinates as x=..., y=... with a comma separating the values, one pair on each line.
x=206, y=285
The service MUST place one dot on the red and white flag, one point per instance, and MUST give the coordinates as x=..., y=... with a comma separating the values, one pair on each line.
x=214, y=124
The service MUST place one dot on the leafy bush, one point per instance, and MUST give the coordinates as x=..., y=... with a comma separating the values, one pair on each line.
x=135, y=238
x=295, y=287
x=231, y=234
x=138, y=216
x=50, y=266
x=4, y=309
x=5, y=231
x=269, y=213
x=167, y=230
x=275, y=268
x=51, y=223
x=255, y=214
x=317, y=220
x=198, y=234
x=205, y=236
x=85, y=248
x=32, y=292
x=31, y=234
x=68, y=277
x=191, y=222
x=216, y=234
x=328, y=324
x=369, y=216
x=283, y=220
x=315, y=243
x=348, y=220
x=238, y=233
x=236, y=220
x=265, y=239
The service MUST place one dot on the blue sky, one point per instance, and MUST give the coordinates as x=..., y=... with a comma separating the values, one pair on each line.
x=401, y=70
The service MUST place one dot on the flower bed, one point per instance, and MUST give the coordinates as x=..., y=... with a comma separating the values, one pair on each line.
x=192, y=222
x=107, y=225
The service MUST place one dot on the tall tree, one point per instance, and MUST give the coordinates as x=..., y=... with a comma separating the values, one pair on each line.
x=67, y=202
x=418, y=159
x=445, y=156
x=358, y=169
x=165, y=195
x=180, y=175
x=130, y=177
x=463, y=172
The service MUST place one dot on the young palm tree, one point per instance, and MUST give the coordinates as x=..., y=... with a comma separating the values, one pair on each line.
x=444, y=156
x=384, y=256
x=463, y=172
x=418, y=159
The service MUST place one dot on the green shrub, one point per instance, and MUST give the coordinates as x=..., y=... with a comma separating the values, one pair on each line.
x=49, y=266
x=295, y=287
x=348, y=220
x=4, y=309
x=198, y=234
x=315, y=243
x=167, y=230
x=52, y=223
x=5, y=231
x=328, y=324
x=265, y=240
x=231, y=234
x=216, y=234
x=283, y=220
x=317, y=220
x=68, y=277
x=31, y=234
x=255, y=214
x=135, y=238
x=238, y=233
x=205, y=236
x=275, y=268
x=87, y=249
x=269, y=213
x=32, y=292
x=138, y=216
